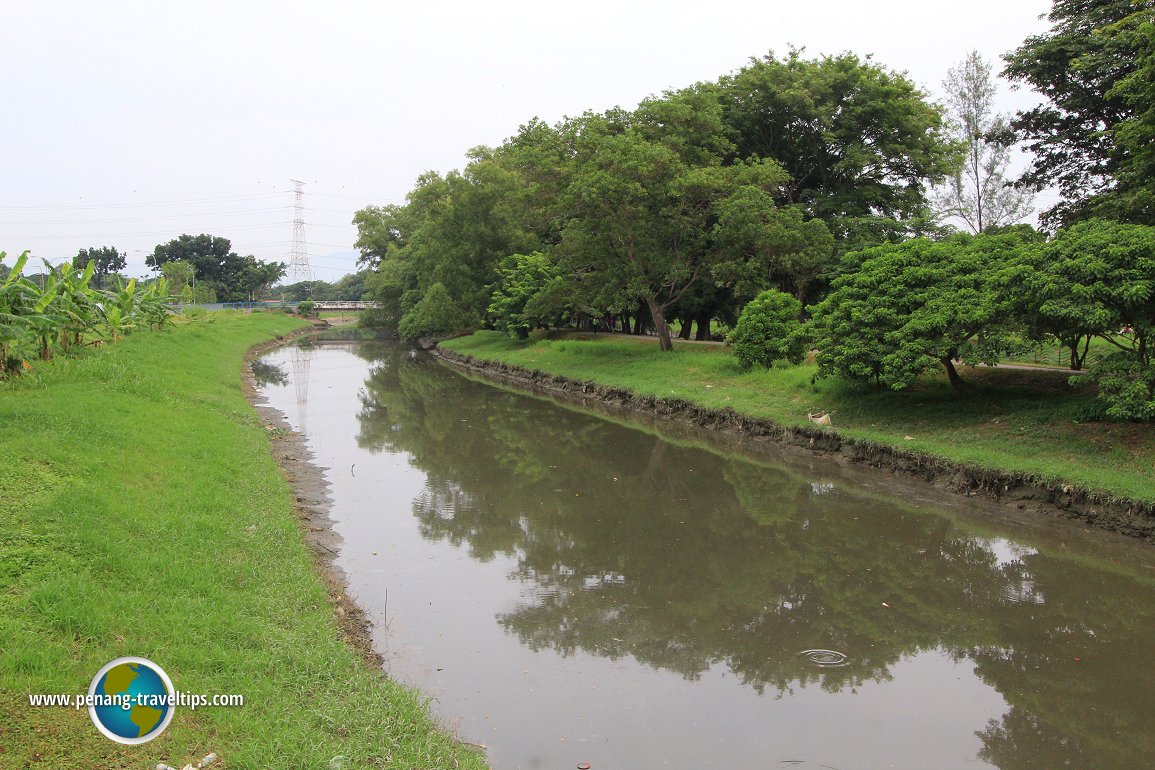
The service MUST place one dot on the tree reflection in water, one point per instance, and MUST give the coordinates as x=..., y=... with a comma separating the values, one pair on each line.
x=683, y=559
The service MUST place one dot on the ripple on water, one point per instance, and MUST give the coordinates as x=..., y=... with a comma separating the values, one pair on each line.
x=826, y=658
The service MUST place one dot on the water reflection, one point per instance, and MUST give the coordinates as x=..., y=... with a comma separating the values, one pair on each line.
x=629, y=546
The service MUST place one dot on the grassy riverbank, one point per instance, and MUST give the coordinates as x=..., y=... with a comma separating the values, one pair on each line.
x=142, y=513
x=1017, y=420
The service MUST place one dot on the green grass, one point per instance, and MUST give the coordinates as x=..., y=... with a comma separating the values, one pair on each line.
x=142, y=513
x=1017, y=420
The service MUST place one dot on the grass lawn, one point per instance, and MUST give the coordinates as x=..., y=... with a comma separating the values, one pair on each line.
x=142, y=513
x=1017, y=420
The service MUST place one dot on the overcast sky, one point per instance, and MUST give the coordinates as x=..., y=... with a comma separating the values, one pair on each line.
x=128, y=123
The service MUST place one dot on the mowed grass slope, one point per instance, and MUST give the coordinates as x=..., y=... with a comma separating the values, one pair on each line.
x=142, y=513
x=1017, y=420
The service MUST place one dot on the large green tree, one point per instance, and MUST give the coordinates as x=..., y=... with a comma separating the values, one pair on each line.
x=105, y=259
x=1135, y=135
x=1077, y=66
x=235, y=278
x=645, y=197
x=859, y=142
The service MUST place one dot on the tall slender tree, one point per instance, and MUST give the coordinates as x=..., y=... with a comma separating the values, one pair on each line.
x=979, y=192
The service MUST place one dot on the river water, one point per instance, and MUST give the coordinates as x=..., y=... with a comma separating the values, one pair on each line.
x=570, y=588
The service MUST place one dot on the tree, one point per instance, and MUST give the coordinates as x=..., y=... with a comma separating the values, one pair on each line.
x=767, y=246
x=256, y=277
x=1099, y=277
x=769, y=330
x=180, y=275
x=1135, y=136
x=858, y=141
x=645, y=194
x=106, y=259
x=1077, y=66
x=233, y=277
x=979, y=193
x=522, y=280
x=913, y=306
x=435, y=315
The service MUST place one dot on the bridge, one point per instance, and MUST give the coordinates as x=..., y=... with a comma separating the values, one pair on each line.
x=341, y=304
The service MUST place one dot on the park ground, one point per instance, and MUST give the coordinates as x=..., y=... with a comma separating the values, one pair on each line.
x=142, y=513
x=1019, y=420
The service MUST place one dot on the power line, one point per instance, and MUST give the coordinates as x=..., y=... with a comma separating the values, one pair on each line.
x=107, y=236
x=140, y=205
x=139, y=219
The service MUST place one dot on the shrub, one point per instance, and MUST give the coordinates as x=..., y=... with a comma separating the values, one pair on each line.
x=768, y=331
x=1126, y=387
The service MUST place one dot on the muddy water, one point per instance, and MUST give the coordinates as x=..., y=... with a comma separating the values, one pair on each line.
x=567, y=588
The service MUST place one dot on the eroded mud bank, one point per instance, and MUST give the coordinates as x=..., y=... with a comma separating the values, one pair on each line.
x=1023, y=491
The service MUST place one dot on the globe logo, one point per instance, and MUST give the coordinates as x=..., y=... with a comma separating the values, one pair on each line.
x=131, y=700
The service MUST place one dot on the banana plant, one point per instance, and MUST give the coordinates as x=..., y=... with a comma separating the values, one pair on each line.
x=118, y=312
x=153, y=304
x=16, y=295
x=76, y=302
x=45, y=320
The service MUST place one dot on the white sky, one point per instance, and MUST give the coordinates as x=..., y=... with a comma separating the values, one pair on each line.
x=128, y=123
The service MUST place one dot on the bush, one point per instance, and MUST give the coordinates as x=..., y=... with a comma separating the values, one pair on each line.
x=306, y=307
x=1126, y=387
x=769, y=330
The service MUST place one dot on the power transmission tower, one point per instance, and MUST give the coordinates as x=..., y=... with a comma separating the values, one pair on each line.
x=299, y=269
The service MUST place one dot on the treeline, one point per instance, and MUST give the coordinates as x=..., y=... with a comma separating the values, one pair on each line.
x=204, y=268
x=683, y=208
x=62, y=312
x=348, y=287
x=809, y=177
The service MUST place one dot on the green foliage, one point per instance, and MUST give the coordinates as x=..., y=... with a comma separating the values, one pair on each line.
x=435, y=315
x=1126, y=386
x=1135, y=135
x=180, y=276
x=233, y=277
x=1080, y=67
x=769, y=330
x=306, y=307
x=916, y=305
x=834, y=123
x=685, y=207
x=56, y=314
x=1097, y=278
x=520, y=301
x=106, y=259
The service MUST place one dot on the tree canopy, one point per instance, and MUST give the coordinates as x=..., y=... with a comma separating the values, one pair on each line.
x=106, y=261
x=1079, y=66
x=858, y=141
x=917, y=305
x=233, y=277
x=690, y=204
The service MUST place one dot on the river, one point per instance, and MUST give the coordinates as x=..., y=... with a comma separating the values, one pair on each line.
x=573, y=588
